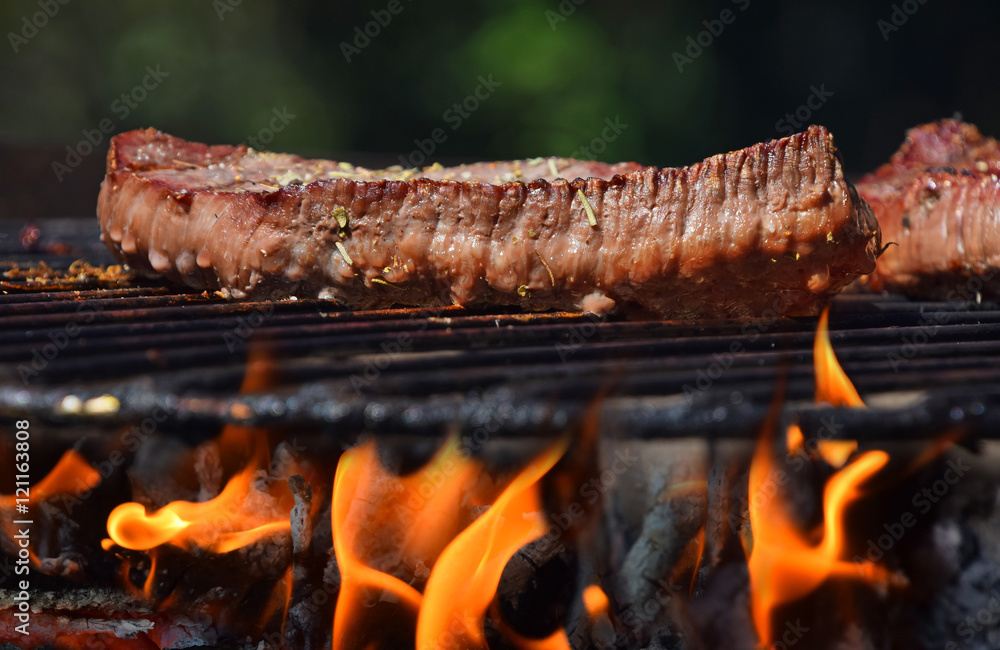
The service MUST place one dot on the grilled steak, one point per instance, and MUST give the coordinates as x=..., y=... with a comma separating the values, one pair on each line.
x=938, y=198
x=771, y=227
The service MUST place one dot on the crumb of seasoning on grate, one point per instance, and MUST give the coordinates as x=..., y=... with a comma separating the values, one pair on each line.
x=79, y=273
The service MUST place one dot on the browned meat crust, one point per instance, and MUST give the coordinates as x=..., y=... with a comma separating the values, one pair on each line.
x=938, y=198
x=774, y=226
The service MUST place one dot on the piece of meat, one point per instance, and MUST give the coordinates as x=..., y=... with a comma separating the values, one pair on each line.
x=938, y=198
x=774, y=228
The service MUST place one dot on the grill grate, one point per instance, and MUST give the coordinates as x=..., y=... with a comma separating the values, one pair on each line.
x=922, y=366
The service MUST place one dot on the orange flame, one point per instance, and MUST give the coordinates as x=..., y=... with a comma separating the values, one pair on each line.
x=832, y=384
x=832, y=387
x=794, y=440
x=241, y=514
x=426, y=522
x=147, y=587
x=784, y=565
x=415, y=516
x=466, y=576
x=595, y=600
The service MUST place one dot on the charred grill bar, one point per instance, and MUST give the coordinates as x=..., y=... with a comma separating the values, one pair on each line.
x=88, y=355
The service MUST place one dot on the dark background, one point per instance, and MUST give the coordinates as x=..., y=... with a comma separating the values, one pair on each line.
x=562, y=69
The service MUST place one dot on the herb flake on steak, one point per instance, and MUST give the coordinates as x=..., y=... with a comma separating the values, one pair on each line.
x=773, y=227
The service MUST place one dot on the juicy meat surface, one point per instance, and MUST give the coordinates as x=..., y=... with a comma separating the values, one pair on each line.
x=938, y=199
x=771, y=229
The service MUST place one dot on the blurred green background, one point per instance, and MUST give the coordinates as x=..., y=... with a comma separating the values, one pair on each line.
x=561, y=69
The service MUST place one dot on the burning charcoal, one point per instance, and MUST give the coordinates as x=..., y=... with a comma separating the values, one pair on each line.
x=726, y=514
x=721, y=611
x=645, y=576
x=97, y=617
x=956, y=563
x=673, y=640
x=536, y=588
x=301, y=625
x=670, y=477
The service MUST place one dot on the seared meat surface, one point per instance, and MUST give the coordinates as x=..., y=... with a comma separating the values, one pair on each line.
x=938, y=198
x=775, y=226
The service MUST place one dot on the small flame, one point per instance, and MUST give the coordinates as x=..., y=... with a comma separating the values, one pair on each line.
x=240, y=515
x=595, y=601
x=832, y=384
x=147, y=587
x=794, y=440
x=832, y=387
x=784, y=565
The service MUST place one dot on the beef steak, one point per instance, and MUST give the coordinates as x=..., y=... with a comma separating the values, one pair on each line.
x=938, y=198
x=775, y=226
